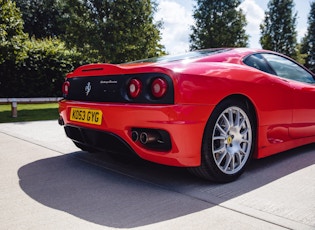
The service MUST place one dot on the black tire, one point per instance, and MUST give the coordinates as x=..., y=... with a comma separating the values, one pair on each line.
x=228, y=142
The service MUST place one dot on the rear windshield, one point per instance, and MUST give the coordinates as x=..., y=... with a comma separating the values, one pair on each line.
x=185, y=56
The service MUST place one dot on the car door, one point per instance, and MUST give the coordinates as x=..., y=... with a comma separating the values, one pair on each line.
x=303, y=83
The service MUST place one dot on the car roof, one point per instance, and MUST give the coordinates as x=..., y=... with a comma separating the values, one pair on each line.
x=232, y=55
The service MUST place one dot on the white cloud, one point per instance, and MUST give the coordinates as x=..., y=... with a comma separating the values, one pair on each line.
x=254, y=16
x=176, y=22
x=177, y=18
x=301, y=32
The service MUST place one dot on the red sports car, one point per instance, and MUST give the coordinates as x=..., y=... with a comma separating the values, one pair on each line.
x=210, y=110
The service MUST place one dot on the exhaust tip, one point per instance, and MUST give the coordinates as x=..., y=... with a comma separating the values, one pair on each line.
x=154, y=139
x=134, y=136
x=144, y=138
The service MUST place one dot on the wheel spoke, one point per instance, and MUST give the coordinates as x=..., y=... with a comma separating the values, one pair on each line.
x=231, y=122
x=226, y=121
x=222, y=149
x=242, y=123
x=248, y=142
x=232, y=164
x=238, y=119
x=227, y=162
x=221, y=157
x=244, y=132
x=221, y=130
x=222, y=138
x=238, y=157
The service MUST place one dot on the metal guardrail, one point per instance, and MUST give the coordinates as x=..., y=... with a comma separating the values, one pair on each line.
x=15, y=101
x=30, y=100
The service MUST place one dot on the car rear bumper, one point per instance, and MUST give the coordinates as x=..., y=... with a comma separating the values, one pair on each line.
x=175, y=131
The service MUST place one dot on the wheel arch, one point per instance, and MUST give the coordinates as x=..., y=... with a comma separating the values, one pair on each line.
x=209, y=168
x=251, y=107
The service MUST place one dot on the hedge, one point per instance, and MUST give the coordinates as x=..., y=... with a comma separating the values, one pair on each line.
x=41, y=72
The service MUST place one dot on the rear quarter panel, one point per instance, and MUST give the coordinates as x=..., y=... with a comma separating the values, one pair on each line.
x=210, y=83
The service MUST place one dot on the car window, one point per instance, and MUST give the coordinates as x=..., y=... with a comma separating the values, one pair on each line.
x=185, y=56
x=288, y=69
x=257, y=61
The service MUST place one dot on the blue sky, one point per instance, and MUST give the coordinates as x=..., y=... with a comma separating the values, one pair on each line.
x=177, y=18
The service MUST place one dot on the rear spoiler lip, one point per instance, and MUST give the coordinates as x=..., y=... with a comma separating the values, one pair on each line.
x=119, y=69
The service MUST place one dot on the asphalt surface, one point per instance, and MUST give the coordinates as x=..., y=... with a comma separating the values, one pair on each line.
x=48, y=183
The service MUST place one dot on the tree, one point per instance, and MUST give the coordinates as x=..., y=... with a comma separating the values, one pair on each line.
x=308, y=42
x=278, y=30
x=121, y=30
x=218, y=23
x=103, y=30
x=12, y=36
x=30, y=67
x=12, y=40
x=130, y=32
x=41, y=17
x=43, y=71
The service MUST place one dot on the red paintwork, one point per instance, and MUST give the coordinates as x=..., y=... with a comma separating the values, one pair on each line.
x=284, y=109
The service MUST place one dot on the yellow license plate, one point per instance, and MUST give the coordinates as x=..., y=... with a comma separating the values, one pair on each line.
x=90, y=116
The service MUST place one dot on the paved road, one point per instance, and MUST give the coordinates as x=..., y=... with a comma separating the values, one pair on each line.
x=47, y=183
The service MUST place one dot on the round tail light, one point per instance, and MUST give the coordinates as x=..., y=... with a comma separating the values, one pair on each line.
x=134, y=88
x=65, y=88
x=159, y=87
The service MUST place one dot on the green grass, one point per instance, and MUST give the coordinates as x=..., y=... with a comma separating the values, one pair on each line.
x=29, y=112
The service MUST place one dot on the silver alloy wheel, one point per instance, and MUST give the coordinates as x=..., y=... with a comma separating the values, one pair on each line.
x=232, y=140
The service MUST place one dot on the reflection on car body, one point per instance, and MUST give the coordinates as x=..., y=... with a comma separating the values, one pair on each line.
x=210, y=110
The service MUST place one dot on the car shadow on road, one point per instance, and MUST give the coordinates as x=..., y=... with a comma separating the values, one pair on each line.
x=130, y=193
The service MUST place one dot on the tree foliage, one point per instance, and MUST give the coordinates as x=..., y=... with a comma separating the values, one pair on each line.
x=308, y=42
x=41, y=17
x=12, y=36
x=278, y=30
x=104, y=30
x=43, y=71
x=30, y=67
x=63, y=34
x=218, y=23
